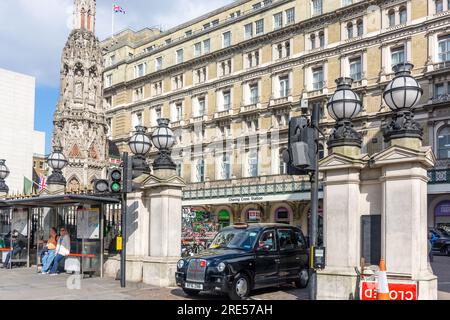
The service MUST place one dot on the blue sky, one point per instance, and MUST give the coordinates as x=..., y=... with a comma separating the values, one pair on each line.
x=34, y=33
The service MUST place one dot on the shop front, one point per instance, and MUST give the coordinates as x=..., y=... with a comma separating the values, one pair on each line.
x=442, y=214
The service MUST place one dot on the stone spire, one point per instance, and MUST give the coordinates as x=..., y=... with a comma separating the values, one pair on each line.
x=79, y=120
x=84, y=15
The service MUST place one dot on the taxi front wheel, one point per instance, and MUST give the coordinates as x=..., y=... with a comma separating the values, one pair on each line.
x=303, y=278
x=240, y=288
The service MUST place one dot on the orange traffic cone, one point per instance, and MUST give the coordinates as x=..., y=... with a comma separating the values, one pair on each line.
x=382, y=287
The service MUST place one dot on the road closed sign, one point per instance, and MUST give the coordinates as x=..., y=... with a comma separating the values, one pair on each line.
x=397, y=291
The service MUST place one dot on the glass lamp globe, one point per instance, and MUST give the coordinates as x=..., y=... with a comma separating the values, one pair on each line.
x=4, y=171
x=140, y=143
x=344, y=104
x=403, y=92
x=56, y=160
x=162, y=137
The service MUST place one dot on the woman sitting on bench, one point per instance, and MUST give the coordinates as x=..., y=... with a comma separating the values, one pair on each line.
x=62, y=250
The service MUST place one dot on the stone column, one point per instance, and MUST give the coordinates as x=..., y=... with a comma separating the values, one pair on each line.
x=164, y=190
x=341, y=213
x=404, y=243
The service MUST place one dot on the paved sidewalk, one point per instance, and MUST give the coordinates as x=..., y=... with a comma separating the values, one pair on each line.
x=26, y=284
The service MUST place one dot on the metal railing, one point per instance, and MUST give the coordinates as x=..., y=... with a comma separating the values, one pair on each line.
x=438, y=176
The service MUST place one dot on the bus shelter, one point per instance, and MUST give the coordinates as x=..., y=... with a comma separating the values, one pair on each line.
x=25, y=227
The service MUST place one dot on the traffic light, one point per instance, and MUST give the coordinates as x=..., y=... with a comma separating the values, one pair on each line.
x=101, y=186
x=133, y=168
x=300, y=156
x=115, y=180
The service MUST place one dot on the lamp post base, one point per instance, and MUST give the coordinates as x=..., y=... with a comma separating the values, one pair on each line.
x=402, y=126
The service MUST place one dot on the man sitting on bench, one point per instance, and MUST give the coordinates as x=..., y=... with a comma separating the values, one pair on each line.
x=19, y=242
x=62, y=250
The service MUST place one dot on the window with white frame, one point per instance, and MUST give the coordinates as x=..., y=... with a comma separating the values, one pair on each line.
x=139, y=70
x=359, y=27
x=443, y=143
x=284, y=86
x=108, y=102
x=200, y=75
x=200, y=170
x=226, y=96
x=158, y=63
x=312, y=41
x=226, y=167
x=156, y=114
x=177, y=112
x=349, y=28
x=290, y=15
x=282, y=119
x=248, y=31
x=215, y=22
x=259, y=27
x=403, y=15
x=256, y=6
x=251, y=125
x=277, y=20
x=444, y=48
x=226, y=39
x=282, y=169
x=318, y=77
x=177, y=82
x=254, y=93
x=112, y=59
x=108, y=80
x=157, y=88
x=201, y=106
x=138, y=94
x=442, y=5
x=317, y=7
x=439, y=90
x=355, y=68
x=347, y=2
x=321, y=39
x=224, y=67
x=225, y=130
x=397, y=55
x=179, y=56
x=391, y=17
x=197, y=49
x=252, y=163
x=136, y=119
x=207, y=46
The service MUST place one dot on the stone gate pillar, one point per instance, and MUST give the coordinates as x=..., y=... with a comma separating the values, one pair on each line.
x=341, y=213
x=404, y=242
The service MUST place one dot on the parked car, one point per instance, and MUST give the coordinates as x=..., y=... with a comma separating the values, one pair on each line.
x=244, y=257
x=442, y=242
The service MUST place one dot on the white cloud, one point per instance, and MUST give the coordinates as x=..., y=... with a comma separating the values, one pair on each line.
x=33, y=32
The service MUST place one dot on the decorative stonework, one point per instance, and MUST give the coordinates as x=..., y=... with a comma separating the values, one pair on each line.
x=79, y=120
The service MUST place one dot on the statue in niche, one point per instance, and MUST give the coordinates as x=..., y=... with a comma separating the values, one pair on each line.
x=78, y=90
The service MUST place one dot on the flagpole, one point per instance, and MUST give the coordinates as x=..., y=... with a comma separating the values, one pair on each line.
x=112, y=24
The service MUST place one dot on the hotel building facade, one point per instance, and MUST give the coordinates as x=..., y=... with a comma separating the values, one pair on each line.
x=230, y=80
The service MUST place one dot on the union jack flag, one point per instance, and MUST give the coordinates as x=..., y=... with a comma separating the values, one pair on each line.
x=42, y=182
x=118, y=9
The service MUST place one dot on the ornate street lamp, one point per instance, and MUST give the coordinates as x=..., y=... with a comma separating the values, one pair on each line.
x=4, y=173
x=163, y=140
x=401, y=95
x=343, y=106
x=57, y=161
x=140, y=145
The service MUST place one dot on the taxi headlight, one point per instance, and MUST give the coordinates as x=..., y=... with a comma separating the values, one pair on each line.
x=221, y=267
x=180, y=264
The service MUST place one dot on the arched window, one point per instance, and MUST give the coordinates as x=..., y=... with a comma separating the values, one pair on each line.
x=321, y=39
x=88, y=27
x=257, y=57
x=250, y=60
x=403, y=15
x=83, y=12
x=280, y=51
x=360, y=27
x=391, y=17
x=443, y=139
x=313, y=41
x=287, y=46
x=349, y=30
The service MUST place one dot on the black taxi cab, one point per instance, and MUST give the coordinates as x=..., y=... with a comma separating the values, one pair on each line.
x=244, y=257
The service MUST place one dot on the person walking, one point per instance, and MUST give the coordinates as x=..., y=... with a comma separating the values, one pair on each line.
x=62, y=250
x=431, y=240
